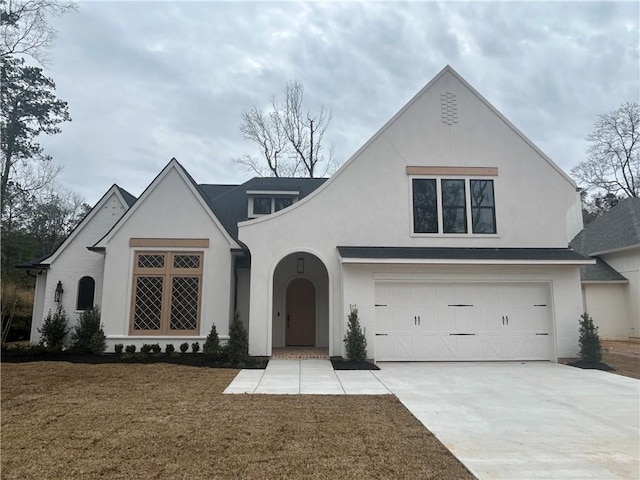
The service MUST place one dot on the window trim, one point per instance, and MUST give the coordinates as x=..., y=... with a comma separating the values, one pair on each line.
x=168, y=273
x=294, y=196
x=469, y=219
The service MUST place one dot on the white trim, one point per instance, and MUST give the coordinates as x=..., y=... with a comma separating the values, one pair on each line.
x=615, y=250
x=273, y=192
x=443, y=261
x=604, y=282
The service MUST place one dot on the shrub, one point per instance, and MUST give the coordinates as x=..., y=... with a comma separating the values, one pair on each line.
x=212, y=344
x=155, y=348
x=118, y=347
x=145, y=348
x=238, y=346
x=54, y=330
x=590, y=348
x=184, y=347
x=130, y=349
x=195, y=347
x=354, y=340
x=169, y=348
x=88, y=336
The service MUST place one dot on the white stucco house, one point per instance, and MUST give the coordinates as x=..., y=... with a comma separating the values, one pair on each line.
x=611, y=286
x=448, y=229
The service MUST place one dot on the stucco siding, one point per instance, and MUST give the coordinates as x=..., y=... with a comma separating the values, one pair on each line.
x=608, y=305
x=627, y=263
x=169, y=210
x=73, y=261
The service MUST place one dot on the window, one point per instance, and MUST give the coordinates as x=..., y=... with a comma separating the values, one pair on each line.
x=282, y=202
x=443, y=206
x=166, y=293
x=262, y=206
x=86, y=292
x=483, y=209
x=425, y=206
x=268, y=202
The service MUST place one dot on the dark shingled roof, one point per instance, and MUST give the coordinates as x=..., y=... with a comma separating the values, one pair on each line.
x=130, y=199
x=562, y=254
x=229, y=202
x=615, y=229
x=600, y=272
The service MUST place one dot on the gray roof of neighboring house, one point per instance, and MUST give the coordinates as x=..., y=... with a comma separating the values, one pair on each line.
x=615, y=229
x=229, y=202
x=561, y=254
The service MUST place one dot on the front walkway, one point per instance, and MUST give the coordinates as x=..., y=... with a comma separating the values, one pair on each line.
x=307, y=377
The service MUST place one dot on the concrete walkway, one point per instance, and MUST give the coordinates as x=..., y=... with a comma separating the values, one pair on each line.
x=307, y=377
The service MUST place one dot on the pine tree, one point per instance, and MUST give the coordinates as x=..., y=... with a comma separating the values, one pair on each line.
x=238, y=346
x=211, y=346
x=590, y=348
x=354, y=340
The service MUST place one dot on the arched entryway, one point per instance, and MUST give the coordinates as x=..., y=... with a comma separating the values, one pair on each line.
x=300, y=302
x=300, y=328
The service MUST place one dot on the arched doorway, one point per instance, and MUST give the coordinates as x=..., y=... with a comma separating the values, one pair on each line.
x=300, y=315
x=300, y=329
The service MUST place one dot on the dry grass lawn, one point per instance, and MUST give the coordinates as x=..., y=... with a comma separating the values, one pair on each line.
x=66, y=421
x=623, y=356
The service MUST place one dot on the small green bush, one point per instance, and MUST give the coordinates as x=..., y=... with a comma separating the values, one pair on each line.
x=184, y=347
x=118, y=347
x=238, y=346
x=211, y=346
x=169, y=348
x=88, y=336
x=355, y=341
x=195, y=347
x=590, y=348
x=155, y=348
x=54, y=330
x=130, y=349
x=145, y=348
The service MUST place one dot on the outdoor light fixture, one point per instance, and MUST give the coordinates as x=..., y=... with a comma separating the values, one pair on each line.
x=301, y=265
x=58, y=295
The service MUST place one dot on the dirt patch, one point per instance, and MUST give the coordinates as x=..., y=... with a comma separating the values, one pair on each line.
x=623, y=364
x=63, y=420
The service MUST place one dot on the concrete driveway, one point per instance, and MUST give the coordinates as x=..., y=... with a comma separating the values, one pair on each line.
x=525, y=420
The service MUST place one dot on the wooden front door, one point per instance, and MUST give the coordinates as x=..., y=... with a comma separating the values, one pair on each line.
x=301, y=313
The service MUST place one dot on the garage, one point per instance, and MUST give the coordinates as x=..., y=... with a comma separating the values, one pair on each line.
x=463, y=321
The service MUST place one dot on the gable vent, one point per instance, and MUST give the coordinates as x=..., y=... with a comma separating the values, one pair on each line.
x=449, y=108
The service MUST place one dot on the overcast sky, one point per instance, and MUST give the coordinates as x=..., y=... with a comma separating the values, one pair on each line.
x=148, y=81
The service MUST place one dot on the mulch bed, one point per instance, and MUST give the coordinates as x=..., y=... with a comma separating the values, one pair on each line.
x=340, y=363
x=591, y=366
x=186, y=359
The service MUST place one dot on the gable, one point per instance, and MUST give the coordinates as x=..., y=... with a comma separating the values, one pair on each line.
x=170, y=207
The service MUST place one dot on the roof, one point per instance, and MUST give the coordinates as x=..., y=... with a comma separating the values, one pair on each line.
x=527, y=255
x=229, y=202
x=599, y=272
x=616, y=229
x=126, y=196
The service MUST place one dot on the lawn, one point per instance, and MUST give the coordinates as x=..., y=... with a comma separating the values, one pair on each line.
x=62, y=420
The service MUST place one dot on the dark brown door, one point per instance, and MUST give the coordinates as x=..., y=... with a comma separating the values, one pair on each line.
x=301, y=313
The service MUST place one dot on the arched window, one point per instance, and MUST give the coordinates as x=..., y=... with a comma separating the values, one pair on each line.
x=86, y=289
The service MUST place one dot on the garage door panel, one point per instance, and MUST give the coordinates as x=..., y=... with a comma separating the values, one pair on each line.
x=500, y=321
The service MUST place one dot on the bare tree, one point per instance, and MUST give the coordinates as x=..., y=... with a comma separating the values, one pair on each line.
x=290, y=139
x=613, y=164
x=24, y=29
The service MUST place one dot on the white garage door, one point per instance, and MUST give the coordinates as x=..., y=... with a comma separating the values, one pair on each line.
x=463, y=321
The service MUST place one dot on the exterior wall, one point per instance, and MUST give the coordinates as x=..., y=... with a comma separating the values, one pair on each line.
x=283, y=275
x=627, y=263
x=37, y=317
x=608, y=306
x=168, y=210
x=368, y=201
x=73, y=262
x=243, y=295
x=359, y=289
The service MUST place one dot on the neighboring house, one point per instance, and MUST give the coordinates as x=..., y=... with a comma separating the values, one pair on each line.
x=448, y=229
x=611, y=287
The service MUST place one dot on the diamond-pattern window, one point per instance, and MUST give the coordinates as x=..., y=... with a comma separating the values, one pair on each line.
x=186, y=261
x=151, y=261
x=184, y=303
x=166, y=292
x=148, y=303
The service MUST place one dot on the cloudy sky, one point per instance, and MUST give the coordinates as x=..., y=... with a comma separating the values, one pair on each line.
x=148, y=81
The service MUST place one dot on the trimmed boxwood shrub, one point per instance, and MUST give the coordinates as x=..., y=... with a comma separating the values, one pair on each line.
x=145, y=348
x=184, y=347
x=195, y=347
x=169, y=348
x=130, y=349
x=118, y=347
x=155, y=348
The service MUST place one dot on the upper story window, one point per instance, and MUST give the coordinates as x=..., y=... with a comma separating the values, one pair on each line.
x=453, y=206
x=266, y=202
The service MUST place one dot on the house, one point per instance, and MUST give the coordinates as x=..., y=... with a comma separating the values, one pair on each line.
x=611, y=286
x=448, y=230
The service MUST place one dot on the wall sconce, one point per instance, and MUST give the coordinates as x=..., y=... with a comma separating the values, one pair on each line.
x=300, y=268
x=57, y=297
